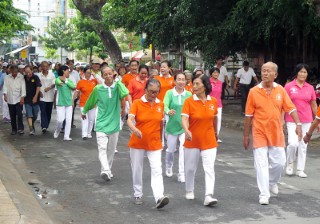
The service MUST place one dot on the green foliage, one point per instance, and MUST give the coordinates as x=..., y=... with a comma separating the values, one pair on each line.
x=124, y=38
x=51, y=53
x=60, y=34
x=12, y=20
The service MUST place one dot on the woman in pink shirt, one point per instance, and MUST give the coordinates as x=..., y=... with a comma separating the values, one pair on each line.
x=303, y=96
x=216, y=93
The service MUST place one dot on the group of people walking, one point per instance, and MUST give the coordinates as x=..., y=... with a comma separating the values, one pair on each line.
x=180, y=112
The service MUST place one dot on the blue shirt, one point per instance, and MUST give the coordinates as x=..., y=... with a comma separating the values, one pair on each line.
x=2, y=75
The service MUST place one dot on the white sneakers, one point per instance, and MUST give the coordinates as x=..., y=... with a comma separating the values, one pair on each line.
x=301, y=174
x=169, y=172
x=219, y=140
x=289, y=169
x=189, y=195
x=56, y=134
x=274, y=189
x=264, y=201
x=210, y=201
x=181, y=179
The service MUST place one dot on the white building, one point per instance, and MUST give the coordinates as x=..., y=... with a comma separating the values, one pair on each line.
x=40, y=14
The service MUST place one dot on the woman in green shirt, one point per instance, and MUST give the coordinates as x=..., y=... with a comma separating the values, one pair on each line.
x=173, y=102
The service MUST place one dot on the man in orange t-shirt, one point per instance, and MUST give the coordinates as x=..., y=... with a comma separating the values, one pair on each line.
x=133, y=67
x=265, y=104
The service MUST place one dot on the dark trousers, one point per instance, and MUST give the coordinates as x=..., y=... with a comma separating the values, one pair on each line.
x=244, y=90
x=15, y=111
x=46, y=111
x=224, y=85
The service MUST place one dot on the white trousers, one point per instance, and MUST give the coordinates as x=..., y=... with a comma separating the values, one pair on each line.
x=172, y=144
x=64, y=113
x=137, y=156
x=295, y=145
x=5, y=109
x=269, y=163
x=107, y=145
x=191, y=160
x=219, y=118
x=87, y=124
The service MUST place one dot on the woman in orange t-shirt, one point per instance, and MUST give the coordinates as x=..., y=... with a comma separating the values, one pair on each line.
x=84, y=89
x=199, y=123
x=145, y=121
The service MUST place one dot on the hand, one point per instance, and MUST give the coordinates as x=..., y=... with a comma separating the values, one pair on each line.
x=34, y=99
x=299, y=132
x=5, y=98
x=83, y=116
x=171, y=112
x=137, y=133
x=246, y=142
x=188, y=135
x=306, y=138
x=21, y=101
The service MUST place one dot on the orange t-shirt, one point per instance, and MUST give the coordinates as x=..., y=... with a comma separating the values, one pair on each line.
x=127, y=77
x=166, y=84
x=266, y=111
x=318, y=113
x=136, y=88
x=148, y=120
x=201, y=117
x=85, y=87
x=189, y=87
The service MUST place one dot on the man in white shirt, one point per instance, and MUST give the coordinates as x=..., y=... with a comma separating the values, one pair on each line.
x=245, y=74
x=47, y=80
x=223, y=76
x=74, y=77
x=14, y=91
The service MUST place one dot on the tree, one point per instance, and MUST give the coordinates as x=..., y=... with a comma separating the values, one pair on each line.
x=92, y=10
x=51, y=53
x=60, y=35
x=12, y=20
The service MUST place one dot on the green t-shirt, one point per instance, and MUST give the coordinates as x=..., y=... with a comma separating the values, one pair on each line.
x=175, y=101
x=107, y=99
x=64, y=92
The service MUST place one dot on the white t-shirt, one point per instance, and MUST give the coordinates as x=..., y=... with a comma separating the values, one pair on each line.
x=47, y=81
x=245, y=76
x=223, y=74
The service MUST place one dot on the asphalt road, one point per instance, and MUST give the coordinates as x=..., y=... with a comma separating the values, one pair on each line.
x=65, y=177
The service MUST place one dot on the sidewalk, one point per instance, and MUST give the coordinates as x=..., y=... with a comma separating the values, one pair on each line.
x=18, y=204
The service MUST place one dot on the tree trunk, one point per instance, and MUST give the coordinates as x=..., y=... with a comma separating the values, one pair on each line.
x=92, y=9
x=90, y=54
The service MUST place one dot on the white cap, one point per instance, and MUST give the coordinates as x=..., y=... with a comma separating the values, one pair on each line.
x=21, y=66
x=5, y=64
x=96, y=61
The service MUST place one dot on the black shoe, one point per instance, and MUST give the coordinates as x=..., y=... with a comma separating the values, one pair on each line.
x=44, y=130
x=73, y=126
x=162, y=202
x=84, y=138
x=13, y=132
x=62, y=131
x=106, y=177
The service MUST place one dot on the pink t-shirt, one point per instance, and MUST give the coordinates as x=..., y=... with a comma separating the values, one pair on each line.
x=301, y=97
x=216, y=91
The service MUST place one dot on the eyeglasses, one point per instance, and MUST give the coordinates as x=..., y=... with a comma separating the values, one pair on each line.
x=152, y=92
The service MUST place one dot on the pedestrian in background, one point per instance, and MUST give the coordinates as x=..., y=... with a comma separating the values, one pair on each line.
x=47, y=80
x=31, y=101
x=303, y=97
x=199, y=121
x=5, y=108
x=173, y=102
x=216, y=92
x=145, y=122
x=137, y=85
x=223, y=76
x=14, y=91
x=189, y=76
x=84, y=88
x=108, y=97
x=64, y=102
x=165, y=79
x=245, y=74
x=265, y=104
